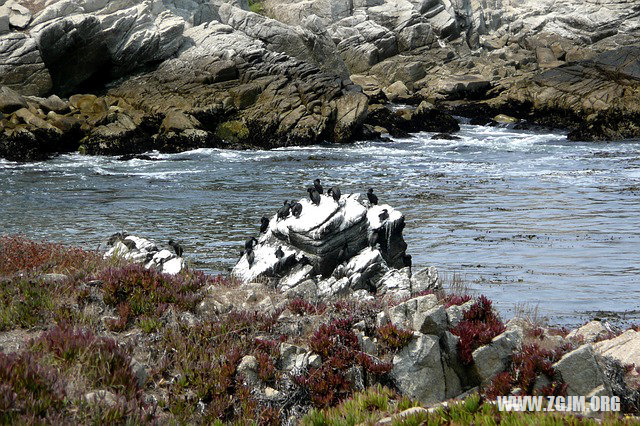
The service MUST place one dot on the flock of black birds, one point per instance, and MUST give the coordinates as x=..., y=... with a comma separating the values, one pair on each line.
x=295, y=209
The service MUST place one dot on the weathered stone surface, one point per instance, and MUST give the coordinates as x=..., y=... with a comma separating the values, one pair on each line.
x=581, y=372
x=493, y=358
x=418, y=371
x=21, y=65
x=624, y=348
x=10, y=100
x=591, y=331
x=248, y=368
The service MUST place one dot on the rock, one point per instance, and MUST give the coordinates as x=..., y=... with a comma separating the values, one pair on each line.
x=394, y=283
x=141, y=250
x=351, y=110
x=455, y=313
x=425, y=279
x=53, y=103
x=502, y=118
x=313, y=242
x=417, y=370
x=139, y=371
x=581, y=372
x=591, y=332
x=19, y=17
x=493, y=358
x=21, y=65
x=248, y=368
x=624, y=348
x=396, y=91
x=54, y=278
x=101, y=397
x=431, y=321
x=10, y=100
x=296, y=359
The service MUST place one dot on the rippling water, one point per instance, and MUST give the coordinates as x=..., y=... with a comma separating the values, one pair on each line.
x=524, y=218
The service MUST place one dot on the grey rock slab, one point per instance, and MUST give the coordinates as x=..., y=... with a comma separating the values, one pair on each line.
x=418, y=371
x=493, y=358
x=582, y=373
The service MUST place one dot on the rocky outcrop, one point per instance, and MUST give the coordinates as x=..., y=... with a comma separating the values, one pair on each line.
x=141, y=250
x=334, y=248
x=184, y=74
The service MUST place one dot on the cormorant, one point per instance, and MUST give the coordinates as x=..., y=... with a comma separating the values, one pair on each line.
x=373, y=199
x=250, y=257
x=314, y=196
x=250, y=243
x=406, y=261
x=284, y=210
x=334, y=191
x=176, y=247
x=384, y=215
x=317, y=186
x=118, y=236
x=279, y=252
x=131, y=245
x=296, y=209
x=373, y=238
x=264, y=224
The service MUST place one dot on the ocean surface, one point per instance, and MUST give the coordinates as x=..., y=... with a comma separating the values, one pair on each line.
x=533, y=221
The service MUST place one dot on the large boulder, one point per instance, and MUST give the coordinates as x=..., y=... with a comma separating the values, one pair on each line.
x=624, y=348
x=582, y=373
x=343, y=246
x=21, y=65
x=146, y=252
x=418, y=372
x=491, y=359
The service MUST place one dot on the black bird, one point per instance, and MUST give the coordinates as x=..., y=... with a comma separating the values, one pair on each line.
x=284, y=210
x=373, y=238
x=250, y=243
x=372, y=197
x=334, y=191
x=296, y=209
x=343, y=254
x=118, y=236
x=384, y=215
x=279, y=252
x=250, y=257
x=314, y=195
x=317, y=186
x=406, y=261
x=176, y=247
x=131, y=245
x=304, y=260
x=264, y=224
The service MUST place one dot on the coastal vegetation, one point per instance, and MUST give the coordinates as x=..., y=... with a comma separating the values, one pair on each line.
x=92, y=340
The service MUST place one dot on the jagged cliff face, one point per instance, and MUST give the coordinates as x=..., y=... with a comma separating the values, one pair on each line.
x=180, y=74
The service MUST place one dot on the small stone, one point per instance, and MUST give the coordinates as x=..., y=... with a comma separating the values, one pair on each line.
x=139, y=371
x=54, y=278
x=101, y=397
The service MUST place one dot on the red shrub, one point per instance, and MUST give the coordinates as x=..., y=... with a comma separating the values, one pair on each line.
x=20, y=254
x=455, y=300
x=501, y=385
x=394, y=337
x=28, y=390
x=301, y=307
x=478, y=327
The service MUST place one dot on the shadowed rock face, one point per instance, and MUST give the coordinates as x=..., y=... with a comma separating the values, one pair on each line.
x=330, y=244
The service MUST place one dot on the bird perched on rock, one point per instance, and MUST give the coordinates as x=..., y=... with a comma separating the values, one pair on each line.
x=317, y=186
x=314, y=195
x=264, y=224
x=279, y=252
x=296, y=210
x=406, y=261
x=250, y=243
x=176, y=248
x=118, y=236
x=284, y=210
x=373, y=238
x=251, y=257
x=334, y=191
x=131, y=245
x=373, y=199
x=384, y=215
